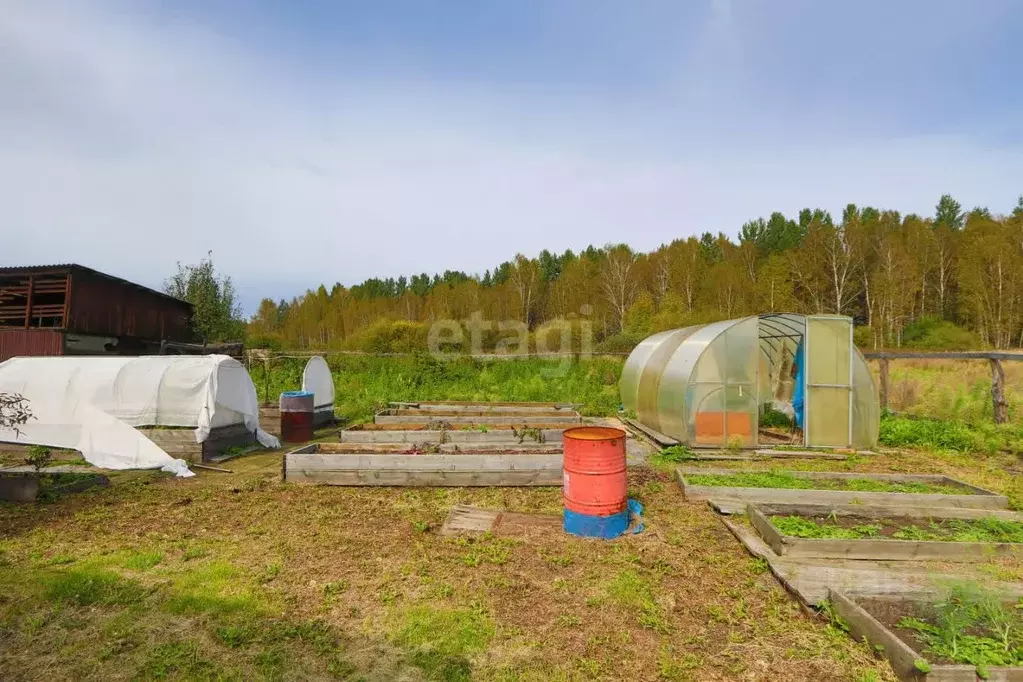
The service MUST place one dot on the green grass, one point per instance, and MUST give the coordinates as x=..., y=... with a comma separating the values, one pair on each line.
x=667, y=458
x=949, y=434
x=442, y=641
x=142, y=561
x=970, y=625
x=801, y=527
x=90, y=587
x=989, y=529
x=364, y=383
x=633, y=592
x=753, y=479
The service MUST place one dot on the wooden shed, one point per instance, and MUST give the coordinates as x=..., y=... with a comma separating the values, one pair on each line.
x=74, y=310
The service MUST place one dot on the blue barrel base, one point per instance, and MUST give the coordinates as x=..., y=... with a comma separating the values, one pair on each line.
x=587, y=526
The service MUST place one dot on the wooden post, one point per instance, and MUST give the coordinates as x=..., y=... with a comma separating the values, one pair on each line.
x=883, y=366
x=1001, y=407
x=28, y=302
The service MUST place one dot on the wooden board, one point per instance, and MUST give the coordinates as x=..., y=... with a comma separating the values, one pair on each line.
x=449, y=436
x=423, y=470
x=878, y=548
x=811, y=579
x=497, y=412
x=656, y=436
x=463, y=518
x=466, y=519
x=514, y=448
x=734, y=499
x=537, y=421
x=476, y=406
x=903, y=657
x=761, y=455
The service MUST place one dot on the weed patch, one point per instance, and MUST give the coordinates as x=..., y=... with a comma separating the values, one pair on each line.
x=973, y=626
x=751, y=479
x=989, y=529
x=441, y=641
x=91, y=587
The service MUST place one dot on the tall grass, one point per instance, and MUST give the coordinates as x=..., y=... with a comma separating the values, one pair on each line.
x=950, y=389
x=942, y=434
x=364, y=383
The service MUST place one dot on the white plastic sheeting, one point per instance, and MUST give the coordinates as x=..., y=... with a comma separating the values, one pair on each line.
x=316, y=379
x=90, y=404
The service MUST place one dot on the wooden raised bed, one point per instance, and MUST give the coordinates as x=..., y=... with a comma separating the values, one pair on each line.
x=878, y=548
x=510, y=420
x=900, y=654
x=435, y=436
x=471, y=406
x=733, y=500
x=422, y=447
x=308, y=465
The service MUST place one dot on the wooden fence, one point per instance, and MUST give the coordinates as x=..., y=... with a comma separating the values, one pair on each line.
x=1001, y=405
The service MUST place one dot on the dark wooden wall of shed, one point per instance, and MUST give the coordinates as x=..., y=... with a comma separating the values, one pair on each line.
x=109, y=308
x=15, y=342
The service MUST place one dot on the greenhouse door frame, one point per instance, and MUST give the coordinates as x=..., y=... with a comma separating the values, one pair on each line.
x=814, y=391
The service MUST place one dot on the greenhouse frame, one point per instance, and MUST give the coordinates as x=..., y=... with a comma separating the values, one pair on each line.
x=709, y=385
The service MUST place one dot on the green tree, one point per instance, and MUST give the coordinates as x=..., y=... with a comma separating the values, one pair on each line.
x=949, y=213
x=217, y=314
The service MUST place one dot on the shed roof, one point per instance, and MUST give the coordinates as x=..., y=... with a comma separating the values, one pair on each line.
x=75, y=267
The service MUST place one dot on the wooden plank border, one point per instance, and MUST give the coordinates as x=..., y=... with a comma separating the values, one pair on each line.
x=727, y=498
x=527, y=421
x=877, y=549
x=306, y=465
x=903, y=658
x=449, y=436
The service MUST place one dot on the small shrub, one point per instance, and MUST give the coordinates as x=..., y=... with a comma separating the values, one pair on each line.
x=39, y=456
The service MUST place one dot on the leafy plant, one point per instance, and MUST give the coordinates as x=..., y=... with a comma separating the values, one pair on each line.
x=772, y=418
x=39, y=456
x=774, y=479
x=971, y=625
x=14, y=411
x=988, y=529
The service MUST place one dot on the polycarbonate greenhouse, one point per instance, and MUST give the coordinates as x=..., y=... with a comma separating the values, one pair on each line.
x=708, y=385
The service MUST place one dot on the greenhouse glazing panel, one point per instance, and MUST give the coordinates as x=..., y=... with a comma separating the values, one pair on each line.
x=829, y=375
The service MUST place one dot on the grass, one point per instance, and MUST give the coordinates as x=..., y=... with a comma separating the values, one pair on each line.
x=364, y=383
x=951, y=390
x=667, y=458
x=970, y=625
x=956, y=436
x=773, y=479
x=989, y=529
x=358, y=591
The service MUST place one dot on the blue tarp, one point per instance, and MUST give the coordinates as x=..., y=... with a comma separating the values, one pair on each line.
x=799, y=390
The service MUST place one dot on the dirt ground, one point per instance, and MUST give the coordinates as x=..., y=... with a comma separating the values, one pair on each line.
x=239, y=576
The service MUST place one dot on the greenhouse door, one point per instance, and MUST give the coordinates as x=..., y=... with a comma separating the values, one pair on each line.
x=828, y=411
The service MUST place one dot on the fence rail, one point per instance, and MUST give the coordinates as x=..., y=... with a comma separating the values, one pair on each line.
x=1000, y=404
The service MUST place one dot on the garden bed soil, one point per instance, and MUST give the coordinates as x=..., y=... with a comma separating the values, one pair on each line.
x=942, y=530
x=883, y=523
x=875, y=620
x=827, y=488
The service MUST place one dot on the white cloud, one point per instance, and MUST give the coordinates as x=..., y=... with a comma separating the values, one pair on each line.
x=128, y=145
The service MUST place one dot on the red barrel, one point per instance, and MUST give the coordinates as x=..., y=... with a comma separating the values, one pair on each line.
x=296, y=416
x=595, y=480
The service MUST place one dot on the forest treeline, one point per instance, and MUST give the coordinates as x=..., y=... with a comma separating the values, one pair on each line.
x=954, y=279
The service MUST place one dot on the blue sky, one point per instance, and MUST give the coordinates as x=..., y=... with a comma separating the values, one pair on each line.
x=307, y=142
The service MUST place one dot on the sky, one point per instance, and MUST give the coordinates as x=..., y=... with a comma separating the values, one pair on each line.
x=321, y=141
